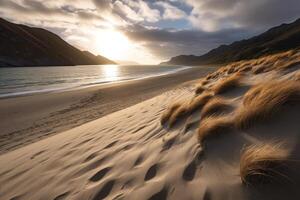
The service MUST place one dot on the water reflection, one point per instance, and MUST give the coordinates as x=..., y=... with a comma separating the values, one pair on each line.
x=111, y=72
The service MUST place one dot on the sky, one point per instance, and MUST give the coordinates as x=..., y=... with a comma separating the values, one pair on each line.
x=151, y=31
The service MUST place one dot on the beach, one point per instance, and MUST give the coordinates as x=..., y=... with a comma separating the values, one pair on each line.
x=231, y=134
x=30, y=118
x=149, y=100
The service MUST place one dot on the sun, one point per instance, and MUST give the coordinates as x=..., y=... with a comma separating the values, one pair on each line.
x=112, y=44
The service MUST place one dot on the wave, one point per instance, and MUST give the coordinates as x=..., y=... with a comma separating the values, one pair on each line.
x=54, y=86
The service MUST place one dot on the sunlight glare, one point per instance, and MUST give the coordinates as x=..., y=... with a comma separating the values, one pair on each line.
x=112, y=44
x=111, y=72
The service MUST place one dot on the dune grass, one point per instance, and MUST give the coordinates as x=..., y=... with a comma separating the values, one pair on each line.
x=289, y=64
x=228, y=83
x=297, y=76
x=203, y=82
x=199, y=101
x=167, y=114
x=261, y=69
x=280, y=61
x=213, y=126
x=179, y=114
x=200, y=89
x=215, y=106
x=264, y=100
x=245, y=68
x=263, y=163
x=181, y=110
x=259, y=103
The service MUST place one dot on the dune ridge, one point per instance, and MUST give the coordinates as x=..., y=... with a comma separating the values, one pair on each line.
x=196, y=149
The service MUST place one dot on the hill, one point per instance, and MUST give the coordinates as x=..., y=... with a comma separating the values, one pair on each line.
x=23, y=46
x=275, y=40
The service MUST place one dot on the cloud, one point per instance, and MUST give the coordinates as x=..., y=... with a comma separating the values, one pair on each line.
x=124, y=11
x=171, y=12
x=144, y=10
x=164, y=28
x=103, y=4
x=131, y=11
x=165, y=43
x=255, y=14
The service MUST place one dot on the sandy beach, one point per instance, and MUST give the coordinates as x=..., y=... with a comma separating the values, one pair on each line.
x=149, y=100
x=216, y=138
x=30, y=118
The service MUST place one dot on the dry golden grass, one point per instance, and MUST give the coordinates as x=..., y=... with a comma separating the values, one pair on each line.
x=231, y=69
x=259, y=103
x=215, y=106
x=261, y=69
x=199, y=101
x=208, y=77
x=245, y=68
x=264, y=100
x=297, y=76
x=167, y=114
x=190, y=124
x=289, y=64
x=213, y=126
x=201, y=86
x=263, y=163
x=213, y=75
x=283, y=60
x=178, y=114
x=203, y=82
x=228, y=83
x=200, y=89
x=179, y=111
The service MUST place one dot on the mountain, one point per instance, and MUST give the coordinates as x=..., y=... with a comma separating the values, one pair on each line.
x=23, y=46
x=277, y=39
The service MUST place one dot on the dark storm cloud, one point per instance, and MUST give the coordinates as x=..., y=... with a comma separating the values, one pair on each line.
x=102, y=4
x=140, y=33
x=13, y=5
x=268, y=13
x=219, y=5
x=253, y=14
x=200, y=24
x=36, y=7
x=167, y=43
x=41, y=8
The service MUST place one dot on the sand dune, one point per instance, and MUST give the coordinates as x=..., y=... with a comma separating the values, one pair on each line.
x=206, y=153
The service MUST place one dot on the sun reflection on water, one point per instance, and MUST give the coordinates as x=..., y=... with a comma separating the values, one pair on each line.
x=111, y=72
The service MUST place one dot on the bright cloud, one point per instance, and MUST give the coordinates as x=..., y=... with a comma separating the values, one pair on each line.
x=148, y=31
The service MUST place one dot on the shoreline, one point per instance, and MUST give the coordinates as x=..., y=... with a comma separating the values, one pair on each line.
x=35, y=117
x=88, y=85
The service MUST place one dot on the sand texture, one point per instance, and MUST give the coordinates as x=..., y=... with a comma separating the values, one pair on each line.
x=237, y=138
x=27, y=119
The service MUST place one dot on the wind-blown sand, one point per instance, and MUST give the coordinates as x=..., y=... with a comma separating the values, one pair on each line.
x=129, y=154
x=30, y=118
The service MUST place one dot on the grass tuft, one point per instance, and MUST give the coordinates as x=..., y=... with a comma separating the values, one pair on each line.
x=200, y=89
x=264, y=100
x=199, y=101
x=263, y=163
x=214, y=107
x=167, y=114
x=246, y=68
x=228, y=83
x=213, y=126
x=180, y=111
x=179, y=114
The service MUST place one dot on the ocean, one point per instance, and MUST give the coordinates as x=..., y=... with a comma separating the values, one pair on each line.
x=16, y=81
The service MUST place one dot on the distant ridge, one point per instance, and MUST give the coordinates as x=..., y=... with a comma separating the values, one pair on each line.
x=23, y=46
x=277, y=39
